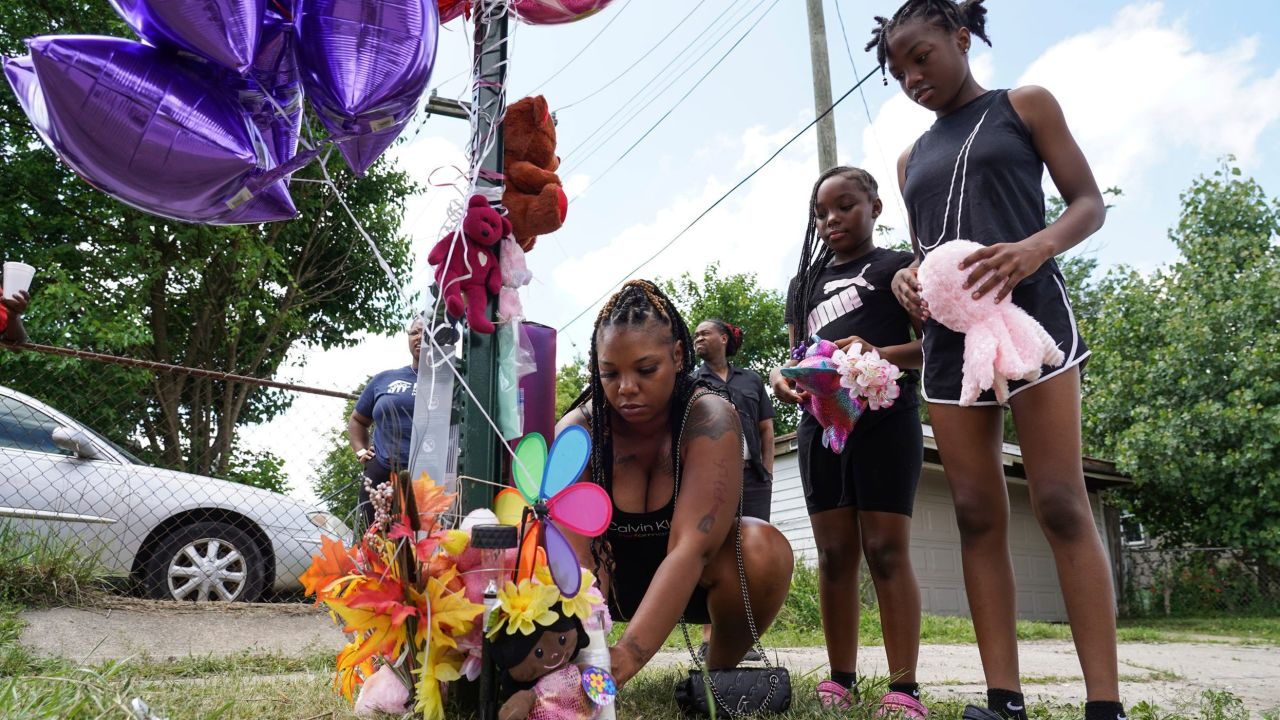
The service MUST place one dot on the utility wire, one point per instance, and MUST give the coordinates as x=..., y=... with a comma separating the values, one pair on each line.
x=577, y=55
x=719, y=200
x=706, y=34
x=684, y=97
x=632, y=66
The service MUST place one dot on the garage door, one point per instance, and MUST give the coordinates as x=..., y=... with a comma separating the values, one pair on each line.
x=935, y=544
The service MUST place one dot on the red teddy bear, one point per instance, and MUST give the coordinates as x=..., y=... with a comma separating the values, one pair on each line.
x=472, y=273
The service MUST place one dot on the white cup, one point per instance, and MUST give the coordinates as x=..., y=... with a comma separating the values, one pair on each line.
x=17, y=277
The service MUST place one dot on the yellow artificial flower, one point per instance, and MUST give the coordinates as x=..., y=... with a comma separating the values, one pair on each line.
x=350, y=676
x=438, y=665
x=525, y=606
x=580, y=605
x=455, y=542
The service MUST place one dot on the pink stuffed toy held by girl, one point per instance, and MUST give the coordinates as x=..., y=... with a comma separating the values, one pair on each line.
x=1002, y=342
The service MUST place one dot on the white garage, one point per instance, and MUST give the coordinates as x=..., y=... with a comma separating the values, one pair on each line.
x=935, y=539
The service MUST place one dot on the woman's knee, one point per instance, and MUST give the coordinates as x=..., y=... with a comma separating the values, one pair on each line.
x=886, y=557
x=980, y=516
x=837, y=563
x=766, y=552
x=1063, y=512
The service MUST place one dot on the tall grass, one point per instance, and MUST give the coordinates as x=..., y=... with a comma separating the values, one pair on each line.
x=43, y=569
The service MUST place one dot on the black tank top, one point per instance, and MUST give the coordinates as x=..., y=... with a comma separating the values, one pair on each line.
x=975, y=175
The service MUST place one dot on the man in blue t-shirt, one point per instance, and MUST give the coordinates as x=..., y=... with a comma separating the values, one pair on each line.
x=386, y=404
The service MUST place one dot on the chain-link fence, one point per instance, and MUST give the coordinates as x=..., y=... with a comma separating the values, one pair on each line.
x=190, y=483
x=1183, y=582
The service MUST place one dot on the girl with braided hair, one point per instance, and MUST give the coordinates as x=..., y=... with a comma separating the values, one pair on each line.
x=670, y=455
x=859, y=499
x=977, y=174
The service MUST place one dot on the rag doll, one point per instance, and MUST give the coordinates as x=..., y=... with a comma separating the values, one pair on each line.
x=539, y=672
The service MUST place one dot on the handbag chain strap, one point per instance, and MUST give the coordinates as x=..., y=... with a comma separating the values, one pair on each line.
x=742, y=579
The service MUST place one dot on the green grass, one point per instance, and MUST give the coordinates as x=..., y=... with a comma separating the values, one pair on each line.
x=40, y=570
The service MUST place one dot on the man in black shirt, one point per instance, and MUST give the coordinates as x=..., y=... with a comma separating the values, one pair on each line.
x=715, y=341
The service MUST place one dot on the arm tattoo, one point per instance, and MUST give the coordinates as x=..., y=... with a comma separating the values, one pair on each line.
x=719, y=497
x=712, y=420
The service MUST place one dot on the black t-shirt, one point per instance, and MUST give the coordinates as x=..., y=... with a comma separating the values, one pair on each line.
x=856, y=298
x=746, y=391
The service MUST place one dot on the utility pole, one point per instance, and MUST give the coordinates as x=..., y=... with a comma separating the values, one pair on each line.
x=821, y=85
x=479, y=447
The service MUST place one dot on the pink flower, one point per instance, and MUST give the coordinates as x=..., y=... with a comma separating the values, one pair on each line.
x=383, y=692
x=867, y=375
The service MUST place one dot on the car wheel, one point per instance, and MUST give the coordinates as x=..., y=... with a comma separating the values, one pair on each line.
x=207, y=561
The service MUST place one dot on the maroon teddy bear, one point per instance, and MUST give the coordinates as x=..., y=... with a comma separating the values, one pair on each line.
x=472, y=273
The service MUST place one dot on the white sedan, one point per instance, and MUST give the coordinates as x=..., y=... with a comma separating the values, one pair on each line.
x=181, y=536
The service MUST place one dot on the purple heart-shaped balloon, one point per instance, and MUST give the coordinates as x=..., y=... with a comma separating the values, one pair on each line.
x=365, y=65
x=134, y=123
x=224, y=31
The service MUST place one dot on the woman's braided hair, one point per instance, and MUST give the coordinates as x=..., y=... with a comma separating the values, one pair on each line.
x=815, y=254
x=637, y=303
x=946, y=14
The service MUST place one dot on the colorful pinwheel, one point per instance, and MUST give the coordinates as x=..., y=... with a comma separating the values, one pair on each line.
x=548, y=499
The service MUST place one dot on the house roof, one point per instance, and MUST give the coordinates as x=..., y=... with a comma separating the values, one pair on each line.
x=1098, y=474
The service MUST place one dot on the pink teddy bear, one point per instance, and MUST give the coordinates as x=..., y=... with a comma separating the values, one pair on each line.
x=471, y=272
x=1002, y=342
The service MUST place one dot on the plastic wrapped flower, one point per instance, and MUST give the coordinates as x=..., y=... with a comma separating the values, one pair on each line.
x=524, y=607
x=867, y=375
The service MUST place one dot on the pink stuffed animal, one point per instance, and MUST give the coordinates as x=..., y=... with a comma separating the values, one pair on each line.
x=515, y=274
x=471, y=274
x=1002, y=342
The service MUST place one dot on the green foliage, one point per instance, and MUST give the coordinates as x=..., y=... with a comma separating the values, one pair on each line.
x=261, y=469
x=1183, y=390
x=571, y=380
x=339, y=473
x=738, y=299
x=231, y=299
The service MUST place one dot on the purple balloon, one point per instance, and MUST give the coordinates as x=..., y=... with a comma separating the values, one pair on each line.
x=365, y=65
x=21, y=73
x=224, y=31
x=272, y=94
x=136, y=125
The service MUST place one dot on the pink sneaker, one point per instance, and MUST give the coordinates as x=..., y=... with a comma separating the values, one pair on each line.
x=834, y=696
x=902, y=705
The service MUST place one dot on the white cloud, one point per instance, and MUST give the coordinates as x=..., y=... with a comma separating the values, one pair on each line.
x=1137, y=92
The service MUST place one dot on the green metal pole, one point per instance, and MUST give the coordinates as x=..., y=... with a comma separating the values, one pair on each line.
x=479, y=455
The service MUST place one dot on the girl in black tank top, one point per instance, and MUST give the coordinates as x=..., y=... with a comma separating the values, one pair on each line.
x=671, y=460
x=976, y=174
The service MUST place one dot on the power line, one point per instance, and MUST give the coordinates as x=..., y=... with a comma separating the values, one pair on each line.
x=684, y=97
x=705, y=36
x=680, y=23
x=719, y=200
x=577, y=55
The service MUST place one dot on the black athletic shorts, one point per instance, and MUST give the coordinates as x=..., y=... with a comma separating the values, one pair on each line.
x=1046, y=301
x=879, y=468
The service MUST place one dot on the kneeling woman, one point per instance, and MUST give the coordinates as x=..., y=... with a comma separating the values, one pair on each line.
x=670, y=456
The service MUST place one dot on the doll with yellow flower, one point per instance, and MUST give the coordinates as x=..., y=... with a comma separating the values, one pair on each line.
x=536, y=635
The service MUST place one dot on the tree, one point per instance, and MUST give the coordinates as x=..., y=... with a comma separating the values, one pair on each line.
x=231, y=299
x=738, y=299
x=571, y=380
x=1183, y=389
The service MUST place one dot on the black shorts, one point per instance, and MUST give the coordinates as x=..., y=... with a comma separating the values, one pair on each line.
x=1046, y=301
x=757, y=493
x=879, y=468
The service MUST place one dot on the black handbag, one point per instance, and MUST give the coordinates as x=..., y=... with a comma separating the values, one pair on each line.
x=742, y=691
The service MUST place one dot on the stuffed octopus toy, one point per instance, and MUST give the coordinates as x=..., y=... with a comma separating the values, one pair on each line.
x=835, y=409
x=1001, y=341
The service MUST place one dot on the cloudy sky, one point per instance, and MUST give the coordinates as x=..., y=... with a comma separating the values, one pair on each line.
x=1155, y=93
